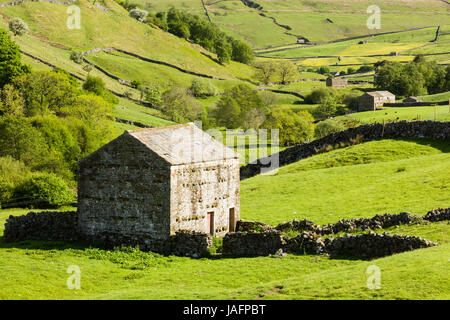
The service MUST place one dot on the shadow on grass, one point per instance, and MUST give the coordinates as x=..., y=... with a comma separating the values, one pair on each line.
x=441, y=145
x=46, y=245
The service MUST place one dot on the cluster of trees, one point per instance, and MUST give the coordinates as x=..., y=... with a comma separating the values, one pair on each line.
x=243, y=107
x=271, y=71
x=198, y=30
x=177, y=103
x=47, y=123
x=420, y=77
x=326, y=70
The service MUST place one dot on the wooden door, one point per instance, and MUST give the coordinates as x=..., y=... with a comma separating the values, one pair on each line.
x=210, y=222
x=232, y=221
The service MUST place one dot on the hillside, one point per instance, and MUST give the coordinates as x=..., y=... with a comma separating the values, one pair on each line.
x=279, y=23
x=302, y=191
x=138, y=74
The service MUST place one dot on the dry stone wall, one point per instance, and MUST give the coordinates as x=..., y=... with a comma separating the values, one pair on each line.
x=252, y=243
x=438, y=215
x=404, y=129
x=256, y=238
x=366, y=246
x=373, y=245
x=42, y=226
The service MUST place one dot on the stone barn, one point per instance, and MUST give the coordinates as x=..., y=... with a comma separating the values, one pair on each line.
x=337, y=82
x=411, y=100
x=374, y=100
x=148, y=184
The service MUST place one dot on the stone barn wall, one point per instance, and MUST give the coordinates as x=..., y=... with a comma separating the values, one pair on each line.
x=199, y=188
x=122, y=194
x=63, y=226
x=337, y=82
x=366, y=103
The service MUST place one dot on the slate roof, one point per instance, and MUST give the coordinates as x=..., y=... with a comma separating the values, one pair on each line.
x=183, y=144
x=379, y=94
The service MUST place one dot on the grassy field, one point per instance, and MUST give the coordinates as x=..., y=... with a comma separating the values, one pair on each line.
x=439, y=113
x=307, y=189
x=309, y=18
x=330, y=193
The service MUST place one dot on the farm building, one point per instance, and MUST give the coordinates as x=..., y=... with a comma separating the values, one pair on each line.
x=337, y=82
x=374, y=100
x=153, y=182
x=411, y=100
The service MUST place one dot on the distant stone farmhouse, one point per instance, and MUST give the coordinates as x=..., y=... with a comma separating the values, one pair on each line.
x=337, y=82
x=374, y=100
x=411, y=100
x=153, y=182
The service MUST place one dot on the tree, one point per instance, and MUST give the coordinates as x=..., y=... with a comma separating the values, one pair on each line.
x=10, y=60
x=286, y=71
x=401, y=80
x=97, y=86
x=177, y=25
x=293, y=128
x=180, y=106
x=11, y=101
x=18, y=27
x=327, y=108
x=64, y=146
x=223, y=50
x=329, y=126
x=20, y=140
x=91, y=108
x=45, y=92
x=266, y=71
x=268, y=98
x=228, y=113
x=242, y=52
x=246, y=98
x=253, y=118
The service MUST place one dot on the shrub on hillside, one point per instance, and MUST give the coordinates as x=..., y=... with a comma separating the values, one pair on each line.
x=323, y=70
x=293, y=127
x=327, y=108
x=366, y=68
x=12, y=173
x=154, y=96
x=327, y=127
x=202, y=88
x=180, y=105
x=139, y=14
x=77, y=57
x=319, y=95
x=351, y=101
x=18, y=27
x=43, y=190
x=240, y=107
x=97, y=86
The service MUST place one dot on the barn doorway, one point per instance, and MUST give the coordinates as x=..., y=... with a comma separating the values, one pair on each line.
x=210, y=222
x=232, y=221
